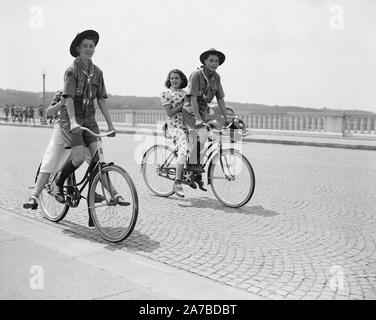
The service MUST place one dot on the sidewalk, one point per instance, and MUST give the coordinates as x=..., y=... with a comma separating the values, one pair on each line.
x=359, y=142
x=40, y=261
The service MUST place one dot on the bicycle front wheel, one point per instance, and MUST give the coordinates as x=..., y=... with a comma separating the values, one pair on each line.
x=158, y=169
x=232, y=178
x=51, y=208
x=114, y=218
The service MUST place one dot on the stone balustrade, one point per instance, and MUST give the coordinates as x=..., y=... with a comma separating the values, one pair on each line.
x=324, y=122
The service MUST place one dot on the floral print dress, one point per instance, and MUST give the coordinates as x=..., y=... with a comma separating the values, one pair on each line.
x=175, y=125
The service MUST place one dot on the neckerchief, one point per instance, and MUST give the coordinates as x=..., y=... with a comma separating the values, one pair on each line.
x=89, y=73
x=206, y=80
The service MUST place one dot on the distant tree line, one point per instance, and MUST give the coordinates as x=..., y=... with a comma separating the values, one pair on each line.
x=25, y=98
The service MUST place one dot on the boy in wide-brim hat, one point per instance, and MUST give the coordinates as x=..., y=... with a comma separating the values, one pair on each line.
x=204, y=84
x=83, y=84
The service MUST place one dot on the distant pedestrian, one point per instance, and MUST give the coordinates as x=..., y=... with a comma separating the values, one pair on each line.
x=25, y=114
x=30, y=114
x=19, y=114
x=6, y=113
x=13, y=113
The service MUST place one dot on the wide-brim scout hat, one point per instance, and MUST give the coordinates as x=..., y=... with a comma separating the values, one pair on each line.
x=92, y=34
x=205, y=55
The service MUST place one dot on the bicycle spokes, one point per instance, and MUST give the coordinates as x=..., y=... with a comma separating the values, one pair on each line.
x=232, y=179
x=115, y=217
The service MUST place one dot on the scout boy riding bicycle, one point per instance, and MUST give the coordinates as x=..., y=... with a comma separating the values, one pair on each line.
x=204, y=84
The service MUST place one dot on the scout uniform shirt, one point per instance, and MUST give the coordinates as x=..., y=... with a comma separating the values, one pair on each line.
x=205, y=87
x=77, y=80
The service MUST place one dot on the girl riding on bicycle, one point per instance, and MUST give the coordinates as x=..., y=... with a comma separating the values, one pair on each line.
x=55, y=156
x=172, y=102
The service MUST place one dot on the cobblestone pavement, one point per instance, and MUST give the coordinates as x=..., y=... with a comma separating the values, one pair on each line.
x=309, y=231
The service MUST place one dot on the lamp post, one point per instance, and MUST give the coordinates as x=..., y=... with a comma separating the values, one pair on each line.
x=44, y=97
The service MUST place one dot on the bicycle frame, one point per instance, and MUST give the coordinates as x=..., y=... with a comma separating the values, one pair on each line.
x=96, y=164
x=212, y=149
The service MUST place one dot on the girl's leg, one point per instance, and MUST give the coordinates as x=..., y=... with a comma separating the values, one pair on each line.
x=42, y=180
x=181, y=141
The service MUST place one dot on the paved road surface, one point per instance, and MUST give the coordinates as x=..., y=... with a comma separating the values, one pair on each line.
x=309, y=231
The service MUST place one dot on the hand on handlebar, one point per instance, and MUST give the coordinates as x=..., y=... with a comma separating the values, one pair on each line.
x=199, y=123
x=112, y=131
x=227, y=124
x=75, y=127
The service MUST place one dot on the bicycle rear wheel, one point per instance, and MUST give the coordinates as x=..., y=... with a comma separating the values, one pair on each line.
x=51, y=208
x=114, y=221
x=158, y=169
x=232, y=178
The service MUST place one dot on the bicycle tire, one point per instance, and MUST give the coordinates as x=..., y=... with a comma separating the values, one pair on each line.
x=51, y=208
x=158, y=184
x=228, y=192
x=104, y=220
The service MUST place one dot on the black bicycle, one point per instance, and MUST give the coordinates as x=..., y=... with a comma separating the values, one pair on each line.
x=229, y=173
x=111, y=199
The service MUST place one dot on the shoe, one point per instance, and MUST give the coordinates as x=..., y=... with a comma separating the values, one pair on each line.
x=58, y=192
x=195, y=167
x=119, y=200
x=200, y=183
x=32, y=203
x=193, y=185
x=177, y=187
x=99, y=198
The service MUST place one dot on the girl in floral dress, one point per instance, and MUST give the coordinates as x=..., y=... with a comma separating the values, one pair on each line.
x=172, y=101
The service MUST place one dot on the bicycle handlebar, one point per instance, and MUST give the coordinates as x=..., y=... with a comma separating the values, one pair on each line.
x=205, y=124
x=99, y=135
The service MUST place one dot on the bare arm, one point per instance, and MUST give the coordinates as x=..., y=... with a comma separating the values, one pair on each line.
x=103, y=106
x=222, y=107
x=70, y=110
x=52, y=109
x=194, y=105
x=171, y=111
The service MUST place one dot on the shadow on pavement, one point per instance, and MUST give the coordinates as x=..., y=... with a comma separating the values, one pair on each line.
x=216, y=205
x=258, y=211
x=135, y=242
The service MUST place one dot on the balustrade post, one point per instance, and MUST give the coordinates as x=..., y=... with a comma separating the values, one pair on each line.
x=361, y=125
x=280, y=117
x=369, y=124
x=133, y=118
x=296, y=123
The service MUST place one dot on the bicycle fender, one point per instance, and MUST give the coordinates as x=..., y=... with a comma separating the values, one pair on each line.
x=37, y=174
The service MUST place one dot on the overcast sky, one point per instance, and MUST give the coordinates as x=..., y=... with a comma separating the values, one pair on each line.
x=309, y=53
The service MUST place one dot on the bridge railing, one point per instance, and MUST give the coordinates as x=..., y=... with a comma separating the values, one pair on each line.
x=325, y=122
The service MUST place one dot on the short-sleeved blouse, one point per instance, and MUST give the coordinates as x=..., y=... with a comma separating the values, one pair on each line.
x=173, y=96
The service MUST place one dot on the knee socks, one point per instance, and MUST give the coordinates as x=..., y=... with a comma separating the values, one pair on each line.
x=68, y=169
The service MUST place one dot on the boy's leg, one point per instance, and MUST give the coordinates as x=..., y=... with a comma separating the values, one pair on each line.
x=115, y=196
x=193, y=147
x=70, y=167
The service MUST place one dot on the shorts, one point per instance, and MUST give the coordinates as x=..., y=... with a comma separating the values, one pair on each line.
x=189, y=117
x=79, y=139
